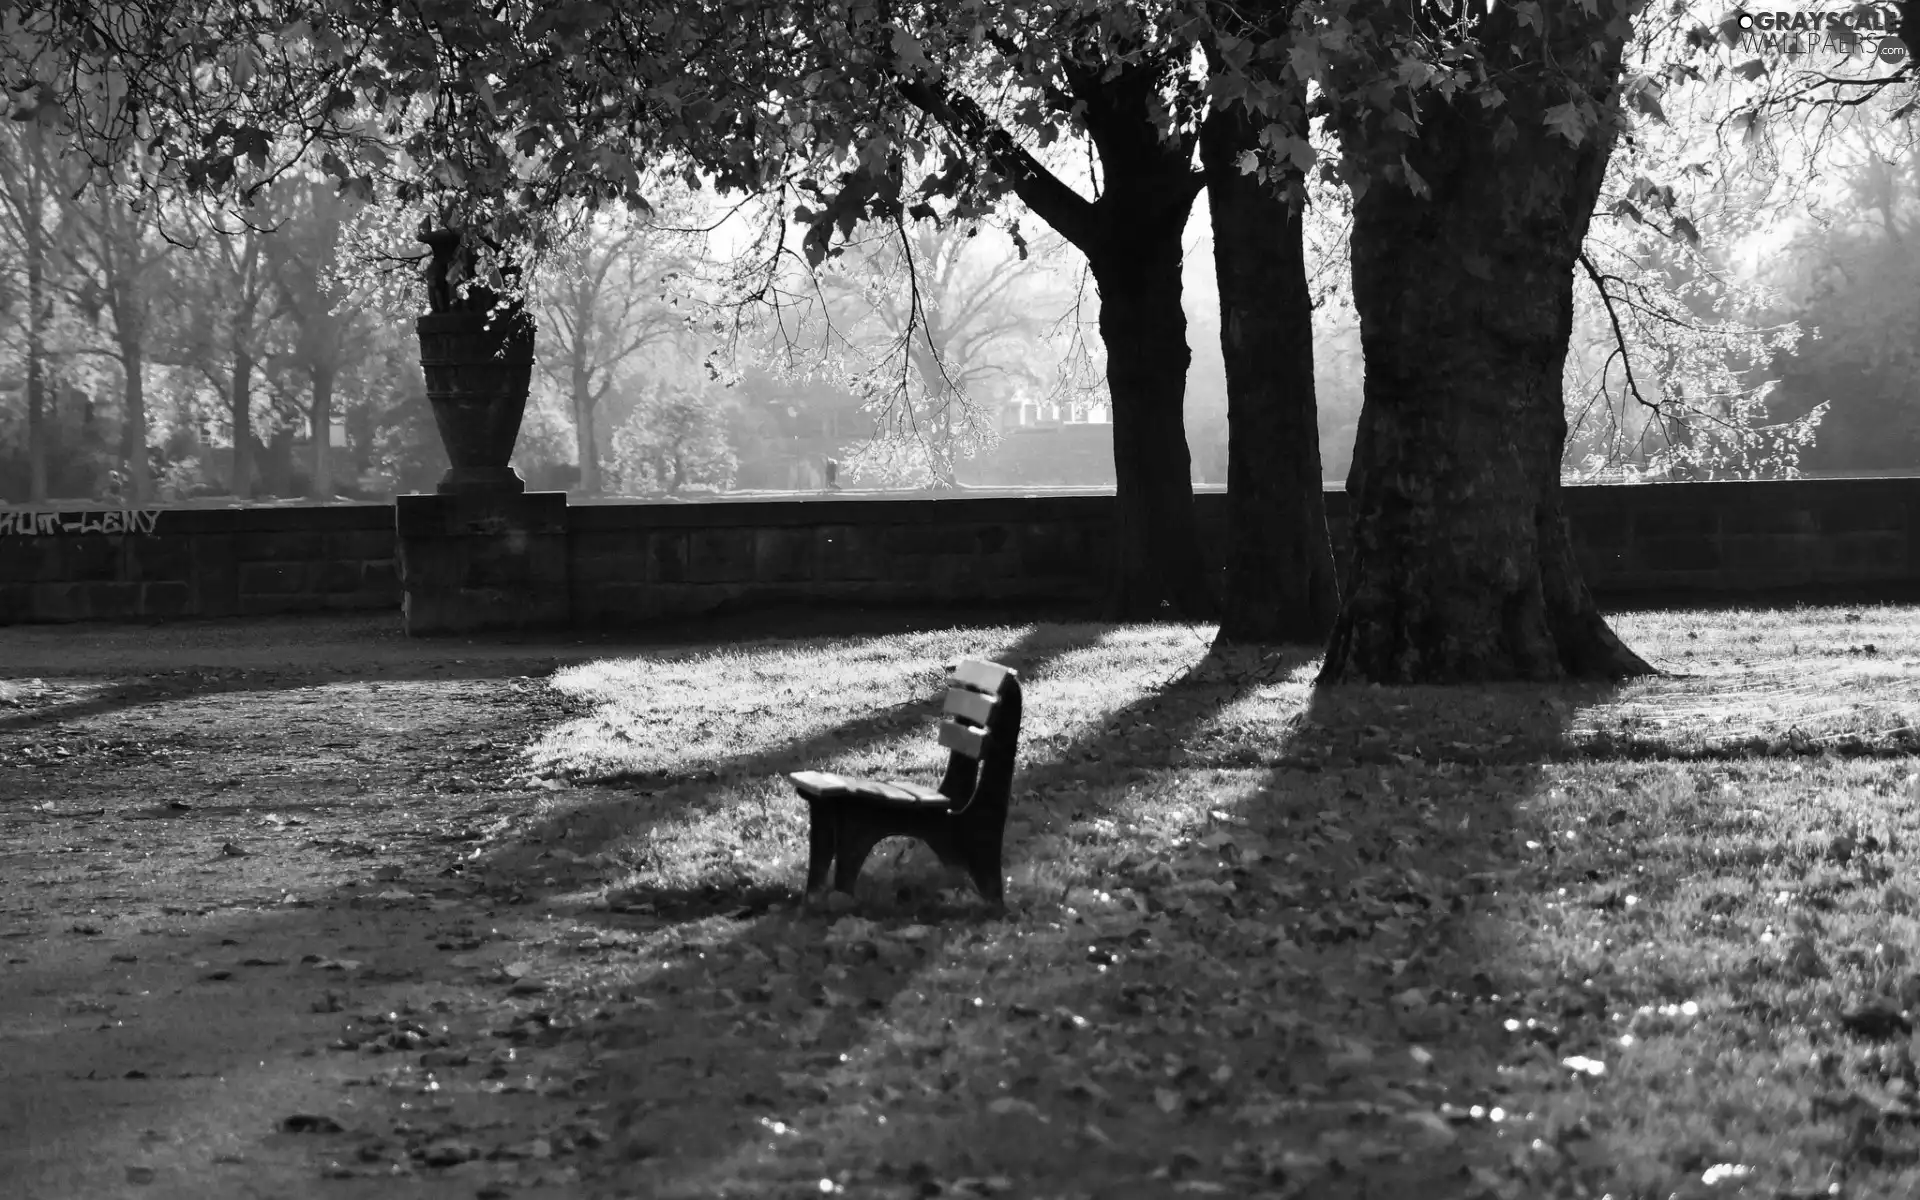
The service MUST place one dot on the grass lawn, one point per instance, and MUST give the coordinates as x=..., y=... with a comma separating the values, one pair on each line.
x=1642, y=941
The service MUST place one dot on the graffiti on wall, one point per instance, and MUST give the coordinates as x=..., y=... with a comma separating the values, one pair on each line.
x=56, y=524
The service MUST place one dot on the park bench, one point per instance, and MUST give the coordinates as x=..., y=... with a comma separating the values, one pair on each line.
x=962, y=821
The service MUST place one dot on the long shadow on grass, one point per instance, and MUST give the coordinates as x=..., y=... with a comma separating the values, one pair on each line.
x=680, y=993
x=743, y=1014
x=375, y=651
x=639, y=802
x=1238, y=1003
x=768, y=1015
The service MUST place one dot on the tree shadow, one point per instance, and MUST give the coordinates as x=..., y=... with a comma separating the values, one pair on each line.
x=701, y=1056
x=627, y=806
x=810, y=990
x=117, y=667
x=1347, y=870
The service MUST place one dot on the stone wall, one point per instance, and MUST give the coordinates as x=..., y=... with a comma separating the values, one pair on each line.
x=624, y=564
x=157, y=564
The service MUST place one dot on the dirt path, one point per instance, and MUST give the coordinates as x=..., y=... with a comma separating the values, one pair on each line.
x=267, y=915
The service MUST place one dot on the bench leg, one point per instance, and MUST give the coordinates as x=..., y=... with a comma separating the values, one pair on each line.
x=983, y=864
x=857, y=840
x=821, y=826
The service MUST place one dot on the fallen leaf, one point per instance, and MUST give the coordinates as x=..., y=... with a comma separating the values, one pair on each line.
x=310, y=1123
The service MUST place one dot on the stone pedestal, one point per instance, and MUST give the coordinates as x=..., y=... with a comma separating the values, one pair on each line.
x=469, y=563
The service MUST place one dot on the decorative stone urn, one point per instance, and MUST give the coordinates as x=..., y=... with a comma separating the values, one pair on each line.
x=482, y=552
x=477, y=374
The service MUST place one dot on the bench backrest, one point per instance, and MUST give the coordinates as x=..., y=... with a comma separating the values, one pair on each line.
x=980, y=723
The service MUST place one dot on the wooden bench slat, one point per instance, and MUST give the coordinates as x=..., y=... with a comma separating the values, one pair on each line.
x=963, y=739
x=971, y=705
x=820, y=783
x=980, y=676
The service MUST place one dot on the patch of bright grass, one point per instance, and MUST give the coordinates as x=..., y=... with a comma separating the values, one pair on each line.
x=1267, y=941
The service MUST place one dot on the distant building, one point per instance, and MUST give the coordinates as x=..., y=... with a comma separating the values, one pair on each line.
x=1047, y=442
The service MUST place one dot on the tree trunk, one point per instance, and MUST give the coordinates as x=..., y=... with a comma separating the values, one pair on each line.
x=1131, y=237
x=1159, y=572
x=240, y=405
x=1463, y=569
x=1281, y=585
x=320, y=485
x=37, y=299
x=133, y=436
x=586, y=445
x=36, y=374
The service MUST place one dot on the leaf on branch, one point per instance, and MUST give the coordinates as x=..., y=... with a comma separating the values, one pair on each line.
x=253, y=144
x=1248, y=162
x=1414, y=182
x=1629, y=210
x=1643, y=92
x=1296, y=150
x=908, y=50
x=1750, y=70
x=1304, y=55
x=1685, y=229
x=1567, y=121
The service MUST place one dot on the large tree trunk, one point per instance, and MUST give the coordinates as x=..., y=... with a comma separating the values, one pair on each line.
x=1281, y=585
x=1463, y=568
x=240, y=407
x=133, y=434
x=320, y=485
x=1159, y=572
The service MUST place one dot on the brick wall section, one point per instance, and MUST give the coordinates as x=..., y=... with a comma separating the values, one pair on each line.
x=202, y=563
x=633, y=563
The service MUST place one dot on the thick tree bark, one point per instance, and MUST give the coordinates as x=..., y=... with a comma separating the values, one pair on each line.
x=1281, y=584
x=320, y=482
x=240, y=409
x=1159, y=572
x=1463, y=569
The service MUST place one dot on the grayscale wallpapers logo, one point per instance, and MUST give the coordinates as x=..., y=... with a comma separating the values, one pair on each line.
x=1860, y=30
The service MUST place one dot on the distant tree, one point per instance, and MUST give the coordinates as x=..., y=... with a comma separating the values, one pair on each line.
x=114, y=254
x=27, y=209
x=1851, y=273
x=235, y=299
x=933, y=327
x=606, y=298
x=675, y=438
x=326, y=335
